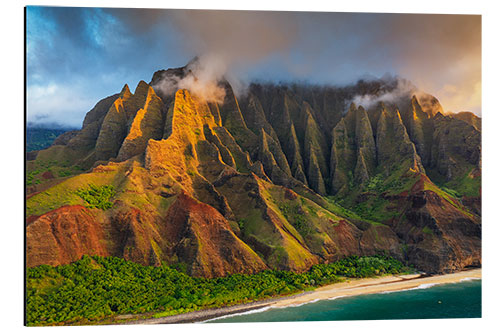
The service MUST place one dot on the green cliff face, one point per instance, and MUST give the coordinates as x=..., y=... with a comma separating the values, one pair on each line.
x=353, y=153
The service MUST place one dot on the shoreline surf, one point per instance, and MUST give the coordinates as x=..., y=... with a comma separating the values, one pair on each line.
x=378, y=285
x=352, y=287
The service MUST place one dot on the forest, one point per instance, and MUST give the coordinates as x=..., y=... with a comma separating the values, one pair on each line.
x=94, y=289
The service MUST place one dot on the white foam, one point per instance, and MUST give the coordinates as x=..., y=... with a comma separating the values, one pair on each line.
x=422, y=286
x=391, y=291
x=429, y=285
x=309, y=302
x=426, y=285
x=470, y=279
x=239, y=314
x=300, y=304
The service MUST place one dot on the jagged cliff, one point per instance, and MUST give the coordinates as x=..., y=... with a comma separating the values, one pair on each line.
x=283, y=177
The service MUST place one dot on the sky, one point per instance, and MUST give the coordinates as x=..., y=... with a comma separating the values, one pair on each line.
x=77, y=56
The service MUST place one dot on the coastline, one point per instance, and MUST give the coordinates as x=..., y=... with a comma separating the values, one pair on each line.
x=348, y=288
x=377, y=285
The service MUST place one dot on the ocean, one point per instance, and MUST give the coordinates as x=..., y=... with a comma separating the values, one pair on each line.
x=452, y=300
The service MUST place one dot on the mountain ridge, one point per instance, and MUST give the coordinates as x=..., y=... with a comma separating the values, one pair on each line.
x=282, y=171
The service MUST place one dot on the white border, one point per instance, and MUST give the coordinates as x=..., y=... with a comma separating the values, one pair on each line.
x=11, y=131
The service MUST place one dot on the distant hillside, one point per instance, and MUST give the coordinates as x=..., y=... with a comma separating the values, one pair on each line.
x=41, y=138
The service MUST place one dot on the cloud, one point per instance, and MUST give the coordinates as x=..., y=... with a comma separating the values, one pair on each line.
x=461, y=97
x=236, y=37
x=102, y=49
x=51, y=104
x=229, y=44
x=433, y=51
x=439, y=51
x=203, y=78
x=397, y=89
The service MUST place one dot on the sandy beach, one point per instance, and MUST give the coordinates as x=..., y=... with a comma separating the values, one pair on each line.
x=351, y=287
x=376, y=285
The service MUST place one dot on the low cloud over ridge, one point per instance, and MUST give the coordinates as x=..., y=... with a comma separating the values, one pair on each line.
x=441, y=54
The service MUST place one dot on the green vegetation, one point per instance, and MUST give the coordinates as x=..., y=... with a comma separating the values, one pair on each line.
x=335, y=206
x=375, y=183
x=399, y=180
x=428, y=230
x=375, y=209
x=97, y=196
x=36, y=169
x=446, y=196
x=96, y=288
x=465, y=186
x=64, y=173
x=241, y=225
x=295, y=215
x=64, y=192
x=371, y=202
x=30, y=177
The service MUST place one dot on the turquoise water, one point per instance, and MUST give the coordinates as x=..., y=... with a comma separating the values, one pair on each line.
x=454, y=300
